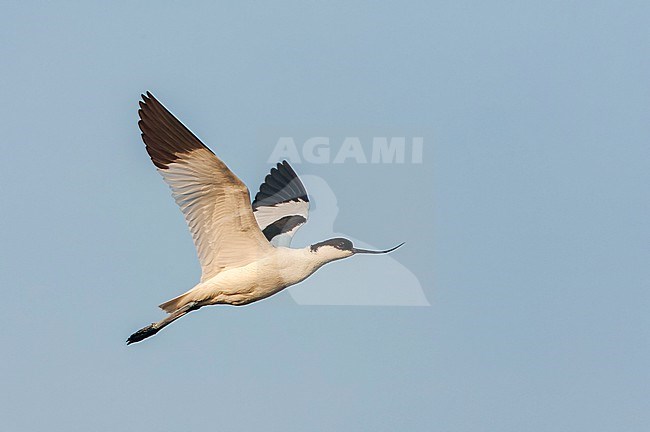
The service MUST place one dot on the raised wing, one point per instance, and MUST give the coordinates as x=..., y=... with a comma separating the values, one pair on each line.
x=281, y=206
x=215, y=203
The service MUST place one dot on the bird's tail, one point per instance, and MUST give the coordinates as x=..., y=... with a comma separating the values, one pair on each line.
x=154, y=328
x=174, y=304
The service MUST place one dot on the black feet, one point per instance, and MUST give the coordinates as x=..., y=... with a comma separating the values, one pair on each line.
x=142, y=334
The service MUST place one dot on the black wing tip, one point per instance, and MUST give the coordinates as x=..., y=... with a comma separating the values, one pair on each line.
x=149, y=100
x=282, y=184
x=145, y=103
x=285, y=163
x=165, y=137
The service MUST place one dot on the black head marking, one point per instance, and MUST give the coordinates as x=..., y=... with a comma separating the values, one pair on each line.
x=338, y=243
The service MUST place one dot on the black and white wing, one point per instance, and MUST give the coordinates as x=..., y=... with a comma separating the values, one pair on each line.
x=281, y=206
x=214, y=201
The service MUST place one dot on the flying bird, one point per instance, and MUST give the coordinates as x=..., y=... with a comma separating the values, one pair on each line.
x=243, y=248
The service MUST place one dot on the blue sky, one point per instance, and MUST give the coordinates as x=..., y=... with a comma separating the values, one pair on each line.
x=526, y=222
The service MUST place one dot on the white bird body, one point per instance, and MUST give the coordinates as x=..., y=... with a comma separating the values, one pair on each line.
x=241, y=245
x=280, y=268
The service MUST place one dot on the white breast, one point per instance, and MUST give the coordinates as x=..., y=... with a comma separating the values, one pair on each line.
x=279, y=269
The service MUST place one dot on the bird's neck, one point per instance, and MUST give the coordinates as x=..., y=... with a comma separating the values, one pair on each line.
x=322, y=256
